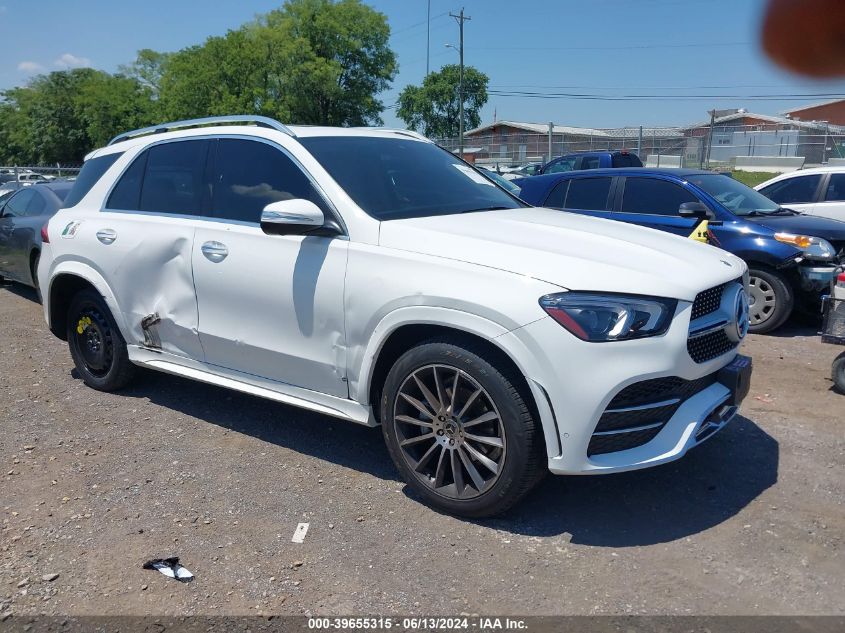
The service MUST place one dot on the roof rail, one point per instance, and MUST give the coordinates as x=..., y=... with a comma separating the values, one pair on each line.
x=261, y=121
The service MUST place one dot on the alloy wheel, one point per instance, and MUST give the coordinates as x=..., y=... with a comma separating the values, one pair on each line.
x=449, y=431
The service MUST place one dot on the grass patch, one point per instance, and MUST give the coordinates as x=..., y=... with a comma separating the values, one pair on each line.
x=752, y=178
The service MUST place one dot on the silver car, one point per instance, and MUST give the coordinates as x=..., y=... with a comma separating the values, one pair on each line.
x=22, y=214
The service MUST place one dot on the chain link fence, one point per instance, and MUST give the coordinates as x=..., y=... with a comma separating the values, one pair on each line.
x=34, y=173
x=721, y=146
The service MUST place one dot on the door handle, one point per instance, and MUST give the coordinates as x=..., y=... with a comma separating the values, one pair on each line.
x=106, y=236
x=214, y=251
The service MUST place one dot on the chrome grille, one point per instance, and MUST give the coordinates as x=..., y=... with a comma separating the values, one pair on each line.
x=713, y=322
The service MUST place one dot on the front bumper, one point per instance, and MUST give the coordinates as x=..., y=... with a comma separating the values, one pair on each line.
x=816, y=277
x=577, y=381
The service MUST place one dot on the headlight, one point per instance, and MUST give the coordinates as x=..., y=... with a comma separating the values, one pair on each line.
x=813, y=247
x=608, y=317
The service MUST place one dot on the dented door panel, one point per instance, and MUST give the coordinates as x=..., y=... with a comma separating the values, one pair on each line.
x=147, y=259
x=272, y=306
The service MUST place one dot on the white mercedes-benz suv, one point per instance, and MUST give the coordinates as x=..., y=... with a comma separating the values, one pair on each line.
x=372, y=276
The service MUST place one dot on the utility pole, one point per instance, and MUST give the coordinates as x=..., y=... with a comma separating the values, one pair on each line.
x=460, y=18
x=824, y=144
x=710, y=135
x=428, y=38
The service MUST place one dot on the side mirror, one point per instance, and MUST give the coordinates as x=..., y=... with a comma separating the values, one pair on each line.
x=291, y=217
x=695, y=210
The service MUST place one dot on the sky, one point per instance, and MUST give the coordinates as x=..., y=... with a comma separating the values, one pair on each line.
x=687, y=56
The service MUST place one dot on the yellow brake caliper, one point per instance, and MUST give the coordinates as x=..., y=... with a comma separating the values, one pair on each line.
x=83, y=324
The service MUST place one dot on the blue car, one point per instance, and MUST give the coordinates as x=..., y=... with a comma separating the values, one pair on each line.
x=791, y=257
x=590, y=160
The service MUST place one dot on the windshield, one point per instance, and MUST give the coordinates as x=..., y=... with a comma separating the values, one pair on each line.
x=502, y=181
x=733, y=195
x=394, y=178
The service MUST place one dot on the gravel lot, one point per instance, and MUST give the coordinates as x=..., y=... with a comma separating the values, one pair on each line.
x=94, y=484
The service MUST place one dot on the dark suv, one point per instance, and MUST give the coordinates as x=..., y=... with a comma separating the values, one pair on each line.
x=591, y=160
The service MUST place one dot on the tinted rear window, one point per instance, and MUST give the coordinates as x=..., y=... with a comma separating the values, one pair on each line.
x=173, y=179
x=557, y=197
x=626, y=160
x=90, y=173
x=797, y=190
x=126, y=194
x=36, y=205
x=835, y=188
x=61, y=193
x=589, y=194
x=654, y=197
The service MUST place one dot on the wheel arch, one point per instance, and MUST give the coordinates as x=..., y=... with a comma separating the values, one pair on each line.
x=390, y=340
x=65, y=281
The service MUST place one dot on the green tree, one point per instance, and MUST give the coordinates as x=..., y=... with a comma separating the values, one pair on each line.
x=434, y=107
x=61, y=116
x=312, y=61
x=226, y=75
x=16, y=145
x=340, y=60
x=57, y=132
x=107, y=105
x=148, y=69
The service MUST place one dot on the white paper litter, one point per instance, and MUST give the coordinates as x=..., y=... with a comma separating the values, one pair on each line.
x=171, y=568
x=299, y=533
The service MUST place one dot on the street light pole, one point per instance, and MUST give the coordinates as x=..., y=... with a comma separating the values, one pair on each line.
x=461, y=19
x=428, y=38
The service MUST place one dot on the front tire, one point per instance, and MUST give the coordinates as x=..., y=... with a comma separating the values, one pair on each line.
x=96, y=345
x=459, y=430
x=770, y=301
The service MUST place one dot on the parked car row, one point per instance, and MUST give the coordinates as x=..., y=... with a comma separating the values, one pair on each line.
x=11, y=180
x=320, y=267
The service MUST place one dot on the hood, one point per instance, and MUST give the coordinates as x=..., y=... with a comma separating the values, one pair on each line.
x=569, y=250
x=811, y=225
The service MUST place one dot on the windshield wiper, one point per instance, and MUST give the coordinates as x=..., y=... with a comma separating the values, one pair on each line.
x=494, y=208
x=778, y=211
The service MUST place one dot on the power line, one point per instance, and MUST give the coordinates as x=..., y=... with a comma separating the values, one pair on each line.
x=623, y=86
x=653, y=97
x=632, y=47
x=418, y=24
